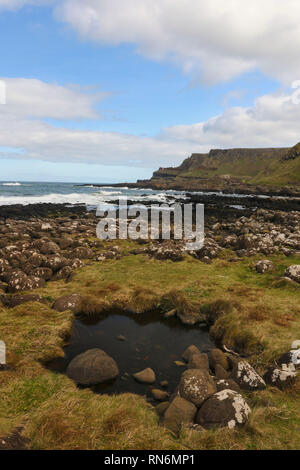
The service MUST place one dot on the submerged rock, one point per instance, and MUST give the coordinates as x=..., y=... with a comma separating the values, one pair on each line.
x=159, y=395
x=146, y=376
x=226, y=408
x=92, y=367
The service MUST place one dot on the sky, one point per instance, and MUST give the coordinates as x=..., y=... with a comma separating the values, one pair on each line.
x=111, y=90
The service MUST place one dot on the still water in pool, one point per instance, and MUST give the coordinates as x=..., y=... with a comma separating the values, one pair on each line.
x=150, y=341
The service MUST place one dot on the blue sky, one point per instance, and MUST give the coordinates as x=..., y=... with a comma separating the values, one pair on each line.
x=142, y=102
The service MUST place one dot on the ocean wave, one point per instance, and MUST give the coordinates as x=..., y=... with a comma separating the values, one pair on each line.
x=11, y=184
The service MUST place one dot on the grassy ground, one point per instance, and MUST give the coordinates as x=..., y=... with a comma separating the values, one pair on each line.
x=262, y=319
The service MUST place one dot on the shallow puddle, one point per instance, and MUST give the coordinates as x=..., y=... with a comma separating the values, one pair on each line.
x=151, y=341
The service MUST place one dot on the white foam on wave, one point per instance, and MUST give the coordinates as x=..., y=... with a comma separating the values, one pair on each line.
x=11, y=184
x=54, y=198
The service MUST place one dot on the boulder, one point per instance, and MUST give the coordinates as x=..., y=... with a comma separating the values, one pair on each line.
x=293, y=272
x=55, y=262
x=220, y=372
x=264, y=266
x=223, y=409
x=92, y=367
x=189, y=352
x=281, y=377
x=11, y=301
x=146, y=376
x=216, y=356
x=63, y=273
x=196, y=386
x=198, y=361
x=245, y=376
x=179, y=412
x=227, y=384
x=49, y=248
x=68, y=302
x=43, y=273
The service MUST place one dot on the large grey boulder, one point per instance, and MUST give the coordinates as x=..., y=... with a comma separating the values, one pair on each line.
x=223, y=409
x=196, y=386
x=179, y=412
x=92, y=367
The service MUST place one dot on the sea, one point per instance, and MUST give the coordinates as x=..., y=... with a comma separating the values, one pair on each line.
x=24, y=193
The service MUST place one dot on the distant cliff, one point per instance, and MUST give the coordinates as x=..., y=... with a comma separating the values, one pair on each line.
x=240, y=168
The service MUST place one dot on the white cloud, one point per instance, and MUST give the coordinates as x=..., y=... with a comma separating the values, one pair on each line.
x=272, y=121
x=34, y=98
x=216, y=38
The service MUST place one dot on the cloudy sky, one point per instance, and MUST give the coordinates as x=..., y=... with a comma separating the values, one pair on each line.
x=109, y=90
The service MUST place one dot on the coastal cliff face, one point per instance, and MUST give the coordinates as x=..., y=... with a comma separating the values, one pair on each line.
x=234, y=168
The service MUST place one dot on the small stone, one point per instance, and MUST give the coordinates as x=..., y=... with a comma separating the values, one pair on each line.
x=179, y=363
x=146, y=376
x=159, y=395
x=189, y=351
x=121, y=338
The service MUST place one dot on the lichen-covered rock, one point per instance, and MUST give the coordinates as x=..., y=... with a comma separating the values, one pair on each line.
x=63, y=273
x=92, y=367
x=146, y=376
x=196, y=386
x=226, y=408
x=246, y=376
x=43, y=273
x=68, y=302
x=179, y=412
x=293, y=272
x=264, y=266
x=281, y=377
x=49, y=248
x=55, y=262
x=227, y=384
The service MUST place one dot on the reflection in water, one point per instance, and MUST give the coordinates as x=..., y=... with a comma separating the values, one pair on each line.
x=151, y=341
